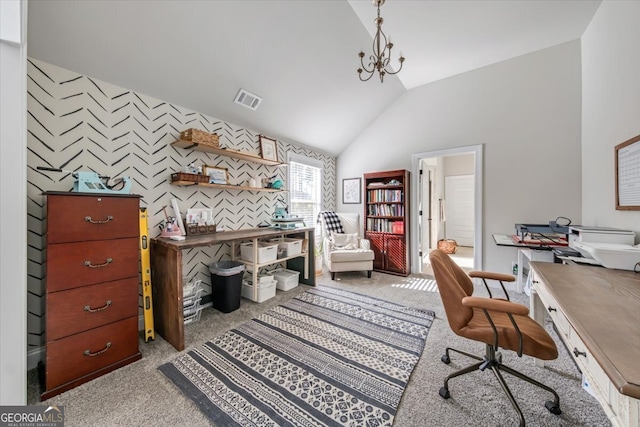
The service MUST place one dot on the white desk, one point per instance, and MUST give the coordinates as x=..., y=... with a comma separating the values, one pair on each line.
x=525, y=257
x=526, y=254
x=597, y=314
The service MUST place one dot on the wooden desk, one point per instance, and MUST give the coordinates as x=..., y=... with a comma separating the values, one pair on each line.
x=597, y=314
x=166, y=271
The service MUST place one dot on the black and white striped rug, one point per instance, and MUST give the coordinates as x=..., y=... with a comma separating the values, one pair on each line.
x=328, y=357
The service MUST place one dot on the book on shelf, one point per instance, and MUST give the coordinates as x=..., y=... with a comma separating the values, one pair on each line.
x=385, y=210
x=397, y=227
x=379, y=225
x=377, y=196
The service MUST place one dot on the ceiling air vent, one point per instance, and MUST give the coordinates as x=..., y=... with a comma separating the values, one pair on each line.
x=247, y=99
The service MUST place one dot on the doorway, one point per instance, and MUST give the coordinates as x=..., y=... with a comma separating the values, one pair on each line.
x=458, y=204
x=447, y=190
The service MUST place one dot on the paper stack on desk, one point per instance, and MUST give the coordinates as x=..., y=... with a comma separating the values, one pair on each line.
x=547, y=239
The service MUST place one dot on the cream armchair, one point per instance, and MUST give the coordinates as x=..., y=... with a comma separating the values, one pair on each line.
x=348, y=251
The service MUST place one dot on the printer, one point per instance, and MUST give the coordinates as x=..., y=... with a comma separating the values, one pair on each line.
x=609, y=247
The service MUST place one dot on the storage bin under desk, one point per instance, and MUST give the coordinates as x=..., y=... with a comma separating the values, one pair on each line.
x=267, y=252
x=167, y=272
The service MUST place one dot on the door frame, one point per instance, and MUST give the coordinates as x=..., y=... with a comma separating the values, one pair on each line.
x=477, y=150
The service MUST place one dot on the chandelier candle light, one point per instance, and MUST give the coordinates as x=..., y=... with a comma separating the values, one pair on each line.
x=380, y=58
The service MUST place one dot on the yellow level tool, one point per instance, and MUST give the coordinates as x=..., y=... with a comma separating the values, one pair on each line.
x=145, y=264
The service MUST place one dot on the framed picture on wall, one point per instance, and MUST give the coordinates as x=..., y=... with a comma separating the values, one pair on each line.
x=268, y=148
x=216, y=175
x=351, y=190
x=628, y=175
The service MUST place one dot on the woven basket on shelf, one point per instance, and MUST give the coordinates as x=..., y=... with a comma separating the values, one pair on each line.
x=201, y=137
x=189, y=177
x=447, y=246
x=196, y=230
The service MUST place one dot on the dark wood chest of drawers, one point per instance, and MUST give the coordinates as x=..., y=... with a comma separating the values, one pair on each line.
x=92, y=286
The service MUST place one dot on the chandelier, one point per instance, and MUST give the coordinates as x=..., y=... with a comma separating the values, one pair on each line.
x=381, y=52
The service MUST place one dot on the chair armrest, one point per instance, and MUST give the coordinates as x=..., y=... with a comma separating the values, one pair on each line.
x=493, y=304
x=326, y=247
x=492, y=276
x=500, y=277
x=365, y=244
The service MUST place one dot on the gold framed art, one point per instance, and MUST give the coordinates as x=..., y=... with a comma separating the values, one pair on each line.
x=217, y=175
x=268, y=148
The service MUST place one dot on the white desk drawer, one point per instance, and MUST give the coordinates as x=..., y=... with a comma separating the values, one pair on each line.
x=589, y=366
x=552, y=308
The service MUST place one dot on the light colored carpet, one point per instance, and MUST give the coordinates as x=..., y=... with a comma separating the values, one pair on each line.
x=139, y=395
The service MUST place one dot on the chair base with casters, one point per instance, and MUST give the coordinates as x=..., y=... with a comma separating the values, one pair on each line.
x=496, y=322
x=493, y=360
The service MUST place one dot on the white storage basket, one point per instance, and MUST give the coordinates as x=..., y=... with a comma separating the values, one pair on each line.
x=289, y=246
x=266, y=290
x=193, y=316
x=287, y=279
x=191, y=308
x=192, y=299
x=190, y=287
x=262, y=278
x=266, y=252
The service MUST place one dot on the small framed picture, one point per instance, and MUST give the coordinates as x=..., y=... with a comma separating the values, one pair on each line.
x=216, y=175
x=268, y=148
x=351, y=188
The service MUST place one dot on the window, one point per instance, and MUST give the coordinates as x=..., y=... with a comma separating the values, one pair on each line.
x=305, y=188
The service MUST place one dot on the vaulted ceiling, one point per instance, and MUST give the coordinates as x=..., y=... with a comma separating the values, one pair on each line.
x=300, y=56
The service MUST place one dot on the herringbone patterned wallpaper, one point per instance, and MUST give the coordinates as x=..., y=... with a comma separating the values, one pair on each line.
x=77, y=123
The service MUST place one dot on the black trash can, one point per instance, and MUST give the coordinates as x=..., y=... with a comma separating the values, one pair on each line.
x=226, y=285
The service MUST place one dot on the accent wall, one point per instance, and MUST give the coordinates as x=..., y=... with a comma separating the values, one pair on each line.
x=78, y=123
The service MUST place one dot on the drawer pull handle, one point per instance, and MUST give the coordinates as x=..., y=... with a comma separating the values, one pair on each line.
x=535, y=282
x=579, y=353
x=93, y=310
x=88, y=263
x=552, y=309
x=88, y=352
x=103, y=221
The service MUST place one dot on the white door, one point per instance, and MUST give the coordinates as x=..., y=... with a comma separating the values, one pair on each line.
x=459, y=209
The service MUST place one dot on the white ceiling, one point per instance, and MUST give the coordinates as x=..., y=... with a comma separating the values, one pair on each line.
x=300, y=56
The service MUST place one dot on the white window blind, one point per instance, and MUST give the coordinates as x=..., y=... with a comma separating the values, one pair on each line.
x=305, y=189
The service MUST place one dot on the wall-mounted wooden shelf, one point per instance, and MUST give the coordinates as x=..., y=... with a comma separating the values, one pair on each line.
x=223, y=186
x=228, y=152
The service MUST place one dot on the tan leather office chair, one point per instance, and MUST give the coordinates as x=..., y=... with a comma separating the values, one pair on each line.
x=497, y=322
